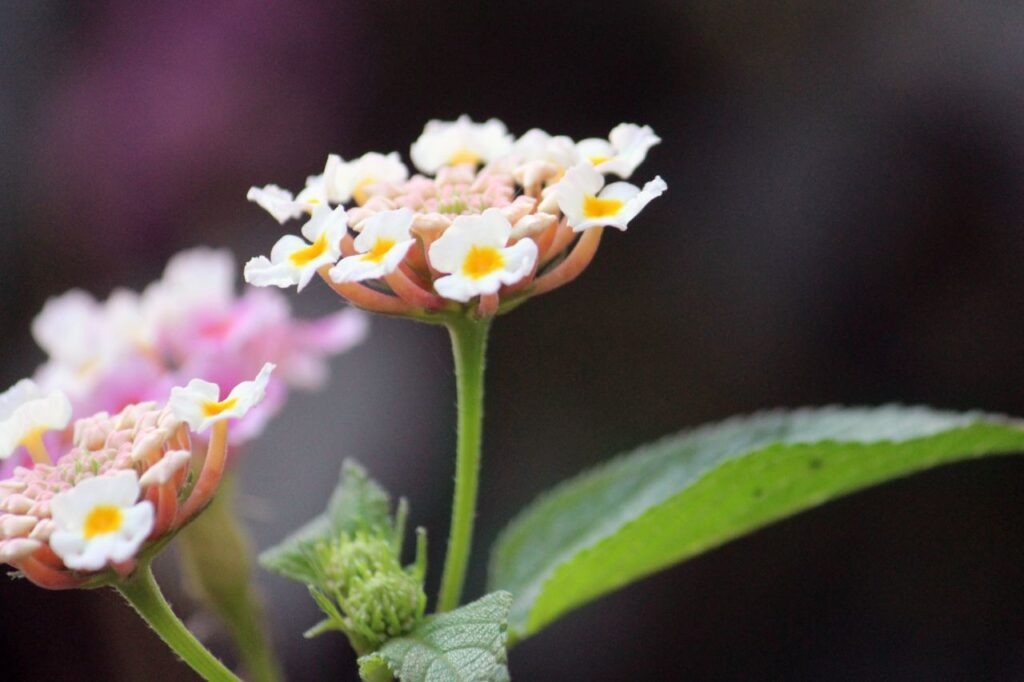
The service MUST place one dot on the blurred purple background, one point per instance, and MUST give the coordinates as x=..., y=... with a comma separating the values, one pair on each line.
x=843, y=225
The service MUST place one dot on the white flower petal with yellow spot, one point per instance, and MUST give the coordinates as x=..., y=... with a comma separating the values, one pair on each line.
x=586, y=202
x=382, y=245
x=473, y=251
x=624, y=150
x=447, y=143
x=26, y=413
x=294, y=261
x=199, y=405
x=353, y=177
x=99, y=521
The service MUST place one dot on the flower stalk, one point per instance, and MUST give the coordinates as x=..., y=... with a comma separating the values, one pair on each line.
x=469, y=342
x=215, y=554
x=142, y=592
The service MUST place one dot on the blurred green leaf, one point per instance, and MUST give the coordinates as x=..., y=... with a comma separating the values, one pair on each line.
x=357, y=504
x=688, y=493
x=465, y=644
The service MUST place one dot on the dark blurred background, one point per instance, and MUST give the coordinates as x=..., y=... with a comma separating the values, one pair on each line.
x=843, y=225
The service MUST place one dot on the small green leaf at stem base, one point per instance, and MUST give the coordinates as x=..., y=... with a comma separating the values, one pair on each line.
x=465, y=644
x=686, y=494
x=358, y=504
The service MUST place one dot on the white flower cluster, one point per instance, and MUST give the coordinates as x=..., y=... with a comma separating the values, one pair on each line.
x=488, y=213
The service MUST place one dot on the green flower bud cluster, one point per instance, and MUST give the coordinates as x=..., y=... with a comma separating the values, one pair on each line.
x=375, y=597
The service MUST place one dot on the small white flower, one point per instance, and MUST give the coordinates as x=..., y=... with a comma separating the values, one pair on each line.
x=538, y=145
x=27, y=412
x=624, y=150
x=382, y=245
x=447, y=143
x=199, y=405
x=72, y=329
x=196, y=280
x=293, y=261
x=585, y=204
x=98, y=521
x=352, y=178
x=473, y=250
x=283, y=206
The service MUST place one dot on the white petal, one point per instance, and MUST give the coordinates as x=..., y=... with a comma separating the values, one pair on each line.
x=71, y=329
x=260, y=272
x=249, y=393
x=276, y=201
x=441, y=140
x=594, y=148
x=652, y=190
x=519, y=259
x=26, y=409
x=456, y=288
x=136, y=525
x=579, y=182
x=393, y=225
x=448, y=252
x=191, y=404
x=371, y=168
x=631, y=143
x=187, y=402
x=70, y=508
x=357, y=268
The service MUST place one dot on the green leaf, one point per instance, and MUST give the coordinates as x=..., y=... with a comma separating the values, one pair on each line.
x=461, y=645
x=691, y=492
x=358, y=503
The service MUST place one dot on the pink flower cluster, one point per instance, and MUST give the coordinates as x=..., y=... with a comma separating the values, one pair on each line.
x=135, y=347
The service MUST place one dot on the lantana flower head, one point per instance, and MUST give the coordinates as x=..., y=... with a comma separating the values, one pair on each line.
x=489, y=222
x=132, y=347
x=122, y=487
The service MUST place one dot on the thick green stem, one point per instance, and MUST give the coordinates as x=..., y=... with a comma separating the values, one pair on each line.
x=469, y=341
x=216, y=554
x=142, y=592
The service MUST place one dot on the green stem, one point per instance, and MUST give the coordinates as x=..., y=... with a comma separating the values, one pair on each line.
x=469, y=341
x=215, y=553
x=142, y=592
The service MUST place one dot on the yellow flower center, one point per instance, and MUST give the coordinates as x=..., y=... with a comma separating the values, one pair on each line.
x=595, y=207
x=212, y=409
x=379, y=250
x=359, y=191
x=102, y=520
x=598, y=160
x=464, y=156
x=311, y=252
x=482, y=260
